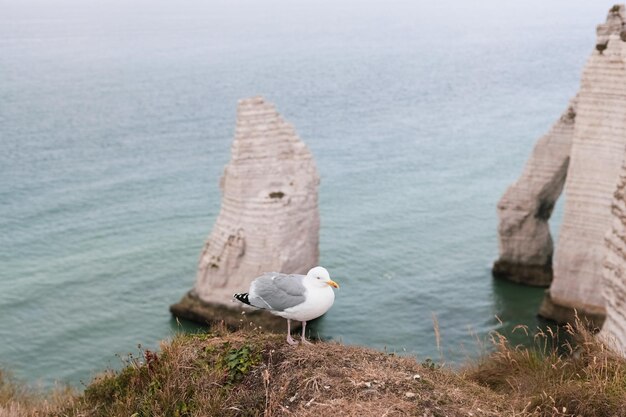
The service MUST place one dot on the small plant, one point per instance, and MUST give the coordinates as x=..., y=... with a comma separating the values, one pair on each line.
x=151, y=360
x=182, y=409
x=615, y=9
x=430, y=364
x=238, y=362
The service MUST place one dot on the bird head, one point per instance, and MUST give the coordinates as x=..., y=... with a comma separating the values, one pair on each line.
x=319, y=276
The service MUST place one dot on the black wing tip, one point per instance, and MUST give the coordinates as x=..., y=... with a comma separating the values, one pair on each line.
x=243, y=297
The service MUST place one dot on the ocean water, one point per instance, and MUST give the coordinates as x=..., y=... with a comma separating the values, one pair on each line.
x=116, y=119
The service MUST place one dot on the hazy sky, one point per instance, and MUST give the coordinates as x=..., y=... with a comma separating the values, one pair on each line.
x=304, y=15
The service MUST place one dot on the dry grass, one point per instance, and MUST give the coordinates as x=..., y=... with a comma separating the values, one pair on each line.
x=257, y=374
x=574, y=375
x=250, y=373
x=16, y=400
x=331, y=379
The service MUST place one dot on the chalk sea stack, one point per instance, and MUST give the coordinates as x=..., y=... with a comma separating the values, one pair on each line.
x=526, y=247
x=268, y=221
x=595, y=126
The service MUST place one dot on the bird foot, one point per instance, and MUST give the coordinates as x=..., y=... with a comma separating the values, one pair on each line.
x=305, y=342
x=291, y=341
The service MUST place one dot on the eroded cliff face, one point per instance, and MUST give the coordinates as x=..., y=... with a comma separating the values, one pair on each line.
x=614, y=266
x=524, y=234
x=269, y=218
x=614, y=272
x=588, y=148
x=595, y=161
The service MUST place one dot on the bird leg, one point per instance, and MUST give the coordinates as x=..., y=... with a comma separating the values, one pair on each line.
x=304, y=341
x=289, y=338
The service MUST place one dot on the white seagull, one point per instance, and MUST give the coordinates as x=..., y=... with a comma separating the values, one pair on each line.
x=292, y=296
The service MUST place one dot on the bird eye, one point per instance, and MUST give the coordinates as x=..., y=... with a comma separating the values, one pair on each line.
x=319, y=277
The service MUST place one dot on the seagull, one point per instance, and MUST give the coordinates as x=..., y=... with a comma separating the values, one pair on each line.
x=292, y=296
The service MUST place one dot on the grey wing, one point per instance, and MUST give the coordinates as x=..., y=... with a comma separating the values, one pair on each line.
x=276, y=291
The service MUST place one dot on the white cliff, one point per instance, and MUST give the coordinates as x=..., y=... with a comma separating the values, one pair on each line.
x=614, y=266
x=589, y=148
x=595, y=161
x=269, y=218
x=524, y=234
x=614, y=272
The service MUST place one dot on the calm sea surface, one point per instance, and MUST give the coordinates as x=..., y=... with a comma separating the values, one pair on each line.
x=116, y=120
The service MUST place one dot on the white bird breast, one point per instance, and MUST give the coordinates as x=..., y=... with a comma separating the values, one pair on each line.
x=317, y=302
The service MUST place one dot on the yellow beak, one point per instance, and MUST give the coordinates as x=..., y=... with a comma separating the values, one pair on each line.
x=333, y=284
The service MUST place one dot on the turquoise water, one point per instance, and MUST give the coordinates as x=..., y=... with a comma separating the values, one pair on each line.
x=116, y=120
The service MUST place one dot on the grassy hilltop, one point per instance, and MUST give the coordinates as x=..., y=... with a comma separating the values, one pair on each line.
x=250, y=373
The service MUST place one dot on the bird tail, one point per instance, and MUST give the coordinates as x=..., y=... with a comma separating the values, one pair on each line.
x=243, y=297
